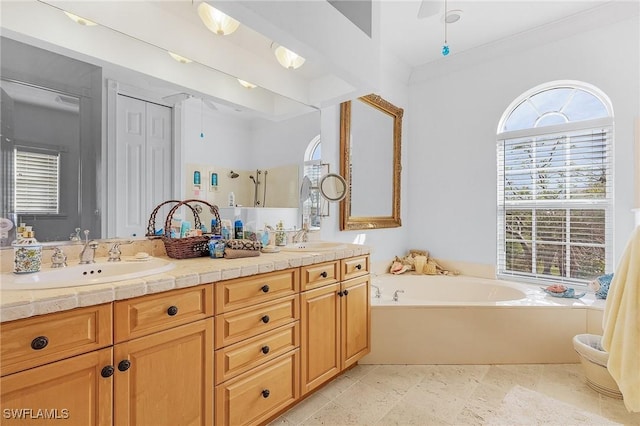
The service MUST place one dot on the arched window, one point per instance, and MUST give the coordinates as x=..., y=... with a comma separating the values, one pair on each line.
x=555, y=181
x=312, y=207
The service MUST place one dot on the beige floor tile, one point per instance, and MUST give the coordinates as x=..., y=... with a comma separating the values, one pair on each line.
x=333, y=414
x=368, y=402
x=361, y=370
x=393, y=380
x=436, y=401
x=615, y=410
x=281, y=421
x=499, y=376
x=338, y=385
x=306, y=408
x=404, y=414
x=454, y=380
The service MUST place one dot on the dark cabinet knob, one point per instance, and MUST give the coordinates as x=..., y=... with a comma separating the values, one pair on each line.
x=266, y=393
x=324, y=274
x=265, y=288
x=173, y=310
x=346, y=292
x=124, y=365
x=107, y=371
x=340, y=294
x=358, y=266
x=265, y=349
x=39, y=342
x=265, y=319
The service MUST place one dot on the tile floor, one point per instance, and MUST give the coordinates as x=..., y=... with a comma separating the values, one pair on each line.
x=443, y=395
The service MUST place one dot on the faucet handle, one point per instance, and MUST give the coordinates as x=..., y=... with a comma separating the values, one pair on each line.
x=58, y=258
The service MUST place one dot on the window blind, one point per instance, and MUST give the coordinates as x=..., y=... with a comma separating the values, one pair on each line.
x=36, y=182
x=555, y=202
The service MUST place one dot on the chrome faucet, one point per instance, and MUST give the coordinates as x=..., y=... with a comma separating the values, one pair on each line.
x=395, y=295
x=114, y=251
x=378, y=292
x=301, y=235
x=88, y=253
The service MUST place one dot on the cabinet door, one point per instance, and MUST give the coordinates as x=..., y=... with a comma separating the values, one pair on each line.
x=320, y=346
x=70, y=392
x=356, y=320
x=169, y=379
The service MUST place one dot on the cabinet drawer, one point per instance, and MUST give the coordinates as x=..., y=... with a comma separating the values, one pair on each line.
x=236, y=359
x=313, y=276
x=243, y=292
x=241, y=324
x=253, y=397
x=354, y=267
x=156, y=312
x=39, y=340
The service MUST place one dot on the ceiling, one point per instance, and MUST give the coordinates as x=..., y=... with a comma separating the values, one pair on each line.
x=485, y=25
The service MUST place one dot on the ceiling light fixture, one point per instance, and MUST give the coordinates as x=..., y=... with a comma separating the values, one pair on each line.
x=79, y=20
x=286, y=57
x=217, y=21
x=452, y=16
x=179, y=58
x=247, y=84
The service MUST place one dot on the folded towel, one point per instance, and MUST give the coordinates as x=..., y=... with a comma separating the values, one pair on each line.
x=244, y=245
x=236, y=254
x=621, y=324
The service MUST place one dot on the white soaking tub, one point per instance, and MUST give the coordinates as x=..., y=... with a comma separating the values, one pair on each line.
x=469, y=320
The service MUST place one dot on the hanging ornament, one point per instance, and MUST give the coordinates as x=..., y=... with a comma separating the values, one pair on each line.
x=201, y=119
x=445, y=46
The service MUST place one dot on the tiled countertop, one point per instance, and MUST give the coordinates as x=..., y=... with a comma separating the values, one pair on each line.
x=16, y=304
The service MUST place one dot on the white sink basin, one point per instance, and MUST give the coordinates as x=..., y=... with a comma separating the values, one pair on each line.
x=314, y=246
x=80, y=275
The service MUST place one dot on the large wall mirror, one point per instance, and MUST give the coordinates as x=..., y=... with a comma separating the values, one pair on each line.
x=61, y=92
x=370, y=140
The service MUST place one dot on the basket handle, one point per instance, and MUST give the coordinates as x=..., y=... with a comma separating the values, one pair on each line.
x=151, y=226
x=196, y=218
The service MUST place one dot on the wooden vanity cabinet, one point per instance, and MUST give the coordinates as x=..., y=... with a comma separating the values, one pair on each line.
x=58, y=368
x=335, y=321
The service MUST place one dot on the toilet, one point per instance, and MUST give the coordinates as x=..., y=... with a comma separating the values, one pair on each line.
x=594, y=361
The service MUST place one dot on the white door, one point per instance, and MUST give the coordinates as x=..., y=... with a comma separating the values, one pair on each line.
x=143, y=163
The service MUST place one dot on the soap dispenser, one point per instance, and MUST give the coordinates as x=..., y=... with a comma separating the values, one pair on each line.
x=27, y=253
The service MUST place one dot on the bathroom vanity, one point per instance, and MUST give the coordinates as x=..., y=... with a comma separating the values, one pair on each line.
x=224, y=342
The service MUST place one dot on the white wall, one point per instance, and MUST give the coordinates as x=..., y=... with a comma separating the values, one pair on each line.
x=452, y=148
x=385, y=243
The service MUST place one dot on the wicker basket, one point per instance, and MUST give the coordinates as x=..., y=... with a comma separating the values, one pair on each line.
x=151, y=226
x=188, y=247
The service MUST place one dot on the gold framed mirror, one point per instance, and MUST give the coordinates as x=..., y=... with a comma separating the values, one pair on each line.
x=370, y=141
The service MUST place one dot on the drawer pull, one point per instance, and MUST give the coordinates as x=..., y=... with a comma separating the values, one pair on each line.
x=324, y=274
x=340, y=293
x=107, y=371
x=265, y=319
x=124, y=365
x=265, y=288
x=39, y=342
x=358, y=266
x=346, y=292
x=173, y=310
x=265, y=349
x=266, y=393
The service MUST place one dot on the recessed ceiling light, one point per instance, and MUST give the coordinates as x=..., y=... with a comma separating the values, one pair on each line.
x=179, y=58
x=247, y=84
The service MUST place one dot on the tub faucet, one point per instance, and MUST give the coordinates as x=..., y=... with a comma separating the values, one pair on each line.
x=378, y=292
x=88, y=253
x=395, y=295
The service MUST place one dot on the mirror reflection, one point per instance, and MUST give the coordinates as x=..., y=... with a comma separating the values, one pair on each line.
x=370, y=141
x=155, y=136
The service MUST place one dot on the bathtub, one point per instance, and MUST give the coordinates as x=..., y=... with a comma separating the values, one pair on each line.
x=470, y=320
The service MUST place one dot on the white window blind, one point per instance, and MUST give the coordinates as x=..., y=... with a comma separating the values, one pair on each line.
x=37, y=177
x=555, y=202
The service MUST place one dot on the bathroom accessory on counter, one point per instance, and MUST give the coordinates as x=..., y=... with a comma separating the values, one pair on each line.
x=151, y=225
x=27, y=254
x=188, y=247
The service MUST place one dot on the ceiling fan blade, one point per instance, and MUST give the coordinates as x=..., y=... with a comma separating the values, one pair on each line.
x=428, y=8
